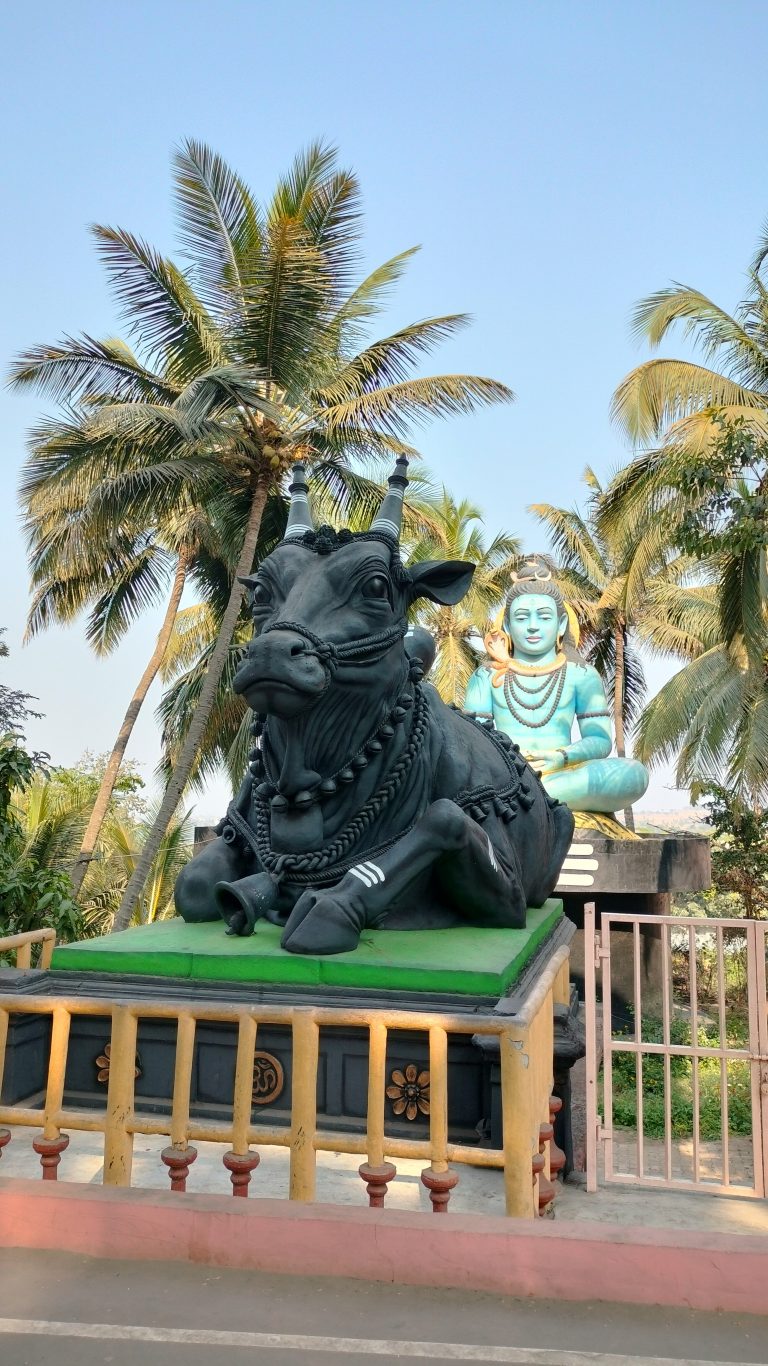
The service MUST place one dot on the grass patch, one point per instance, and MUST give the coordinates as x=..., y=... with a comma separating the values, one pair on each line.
x=681, y=1082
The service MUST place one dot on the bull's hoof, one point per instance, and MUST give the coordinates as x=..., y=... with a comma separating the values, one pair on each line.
x=321, y=924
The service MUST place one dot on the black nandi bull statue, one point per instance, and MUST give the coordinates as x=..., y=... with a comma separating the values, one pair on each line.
x=369, y=802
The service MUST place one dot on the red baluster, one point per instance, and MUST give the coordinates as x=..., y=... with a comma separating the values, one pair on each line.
x=240, y=1166
x=50, y=1150
x=439, y=1185
x=556, y=1154
x=546, y=1188
x=378, y=1179
x=178, y=1161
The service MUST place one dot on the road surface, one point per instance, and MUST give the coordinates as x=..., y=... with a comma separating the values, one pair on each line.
x=61, y=1310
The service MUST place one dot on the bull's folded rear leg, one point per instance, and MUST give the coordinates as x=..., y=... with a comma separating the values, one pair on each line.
x=478, y=880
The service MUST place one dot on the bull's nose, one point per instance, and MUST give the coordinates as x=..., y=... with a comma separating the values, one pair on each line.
x=281, y=673
x=282, y=645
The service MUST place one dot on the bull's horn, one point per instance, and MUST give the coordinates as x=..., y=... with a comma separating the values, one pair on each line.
x=389, y=518
x=299, y=515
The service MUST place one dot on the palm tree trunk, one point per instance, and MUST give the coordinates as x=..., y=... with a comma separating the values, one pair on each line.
x=183, y=766
x=618, y=710
x=104, y=795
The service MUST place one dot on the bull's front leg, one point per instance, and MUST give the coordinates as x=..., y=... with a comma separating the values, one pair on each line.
x=195, y=890
x=477, y=881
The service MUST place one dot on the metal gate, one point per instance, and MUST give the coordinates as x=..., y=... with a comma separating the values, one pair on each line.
x=681, y=1100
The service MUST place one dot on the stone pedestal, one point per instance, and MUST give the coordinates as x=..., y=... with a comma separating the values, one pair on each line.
x=462, y=972
x=631, y=877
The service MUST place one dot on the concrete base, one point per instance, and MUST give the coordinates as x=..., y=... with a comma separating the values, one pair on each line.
x=506, y=1256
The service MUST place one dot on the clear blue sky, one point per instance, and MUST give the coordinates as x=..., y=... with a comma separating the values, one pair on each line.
x=555, y=161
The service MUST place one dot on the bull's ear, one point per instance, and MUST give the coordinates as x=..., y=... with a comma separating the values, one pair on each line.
x=248, y=581
x=443, y=581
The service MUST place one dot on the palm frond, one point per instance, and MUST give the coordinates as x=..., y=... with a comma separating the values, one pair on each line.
x=159, y=305
x=660, y=393
x=389, y=360
x=716, y=331
x=81, y=368
x=572, y=541
x=394, y=407
x=133, y=589
x=369, y=298
x=221, y=227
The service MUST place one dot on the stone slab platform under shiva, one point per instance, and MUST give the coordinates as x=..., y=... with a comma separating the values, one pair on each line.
x=460, y=970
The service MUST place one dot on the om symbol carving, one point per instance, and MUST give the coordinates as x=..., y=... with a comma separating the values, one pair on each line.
x=268, y=1078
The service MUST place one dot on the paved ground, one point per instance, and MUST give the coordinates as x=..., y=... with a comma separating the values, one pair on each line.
x=59, y=1310
x=480, y=1191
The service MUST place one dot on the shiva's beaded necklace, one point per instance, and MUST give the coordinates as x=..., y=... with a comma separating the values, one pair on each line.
x=521, y=699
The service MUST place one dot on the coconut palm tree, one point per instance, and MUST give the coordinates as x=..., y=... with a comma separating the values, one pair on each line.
x=114, y=578
x=671, y=403
x=80, y=562
x=459, y=536
x=258, y=344
x=703, y=428
x=712, y=716
x=682, y=414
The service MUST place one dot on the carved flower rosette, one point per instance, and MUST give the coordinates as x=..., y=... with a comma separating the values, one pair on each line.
x=409, y=1091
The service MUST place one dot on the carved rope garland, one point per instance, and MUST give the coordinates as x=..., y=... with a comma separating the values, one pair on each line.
x=328, y=865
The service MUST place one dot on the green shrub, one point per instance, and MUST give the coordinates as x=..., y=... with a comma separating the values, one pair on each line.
x=624, y=1079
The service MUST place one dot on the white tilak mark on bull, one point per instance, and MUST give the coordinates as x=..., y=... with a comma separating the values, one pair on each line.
x=369, y=873
x=491, y=855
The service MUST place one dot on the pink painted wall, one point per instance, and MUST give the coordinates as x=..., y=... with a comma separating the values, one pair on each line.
x=546, y=1259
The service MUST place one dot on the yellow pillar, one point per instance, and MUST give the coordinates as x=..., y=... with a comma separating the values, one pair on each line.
x=306, y=1043
x=118, y=1141
x=518, y=1121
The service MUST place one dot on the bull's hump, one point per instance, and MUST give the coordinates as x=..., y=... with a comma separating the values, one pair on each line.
x=464, y=755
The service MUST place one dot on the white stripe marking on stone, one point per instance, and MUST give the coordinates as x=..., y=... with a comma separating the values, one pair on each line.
x=581, y=863
x=303, y=1342
x=580, y=850
x=575, y=880
x=374, y=870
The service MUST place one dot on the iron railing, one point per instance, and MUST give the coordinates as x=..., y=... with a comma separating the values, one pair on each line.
x=674, y=1023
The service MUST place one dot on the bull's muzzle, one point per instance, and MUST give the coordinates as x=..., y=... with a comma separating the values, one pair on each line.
x=281, y=674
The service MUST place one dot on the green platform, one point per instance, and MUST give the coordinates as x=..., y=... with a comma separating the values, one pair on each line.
x=467, y=960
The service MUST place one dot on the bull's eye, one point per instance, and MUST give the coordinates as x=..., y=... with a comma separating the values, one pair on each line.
x=376, y=587
x=261, y=595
